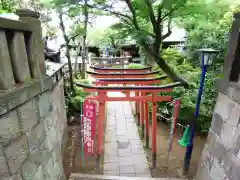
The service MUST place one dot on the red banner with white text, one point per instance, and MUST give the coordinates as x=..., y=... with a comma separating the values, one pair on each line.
x=89, y=125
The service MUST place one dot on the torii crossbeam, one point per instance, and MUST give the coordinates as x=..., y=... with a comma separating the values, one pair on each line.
x=107, y=70
x=124, y=74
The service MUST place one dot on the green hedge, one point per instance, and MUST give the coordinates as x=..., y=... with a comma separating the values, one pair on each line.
x=74, y=103
x=135, y=66
x=188, y=96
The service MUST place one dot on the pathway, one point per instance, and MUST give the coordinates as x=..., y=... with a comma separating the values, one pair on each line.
x=124, y=153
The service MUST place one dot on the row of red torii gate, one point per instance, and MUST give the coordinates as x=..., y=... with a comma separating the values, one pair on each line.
x=108, y=79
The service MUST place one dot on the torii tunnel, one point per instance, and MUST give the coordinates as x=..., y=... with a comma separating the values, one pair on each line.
x=144, y=94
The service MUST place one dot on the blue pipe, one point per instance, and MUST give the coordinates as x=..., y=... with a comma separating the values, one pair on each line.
x=189, y=147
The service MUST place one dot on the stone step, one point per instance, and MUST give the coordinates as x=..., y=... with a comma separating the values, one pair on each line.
x=78, y=176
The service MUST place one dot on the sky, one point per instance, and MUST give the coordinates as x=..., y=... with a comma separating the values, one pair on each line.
x=105, y=21
x=100, y=24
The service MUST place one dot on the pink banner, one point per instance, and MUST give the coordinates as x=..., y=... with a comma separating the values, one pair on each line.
x=174, y=124
x=89, y=124
x=175, y=113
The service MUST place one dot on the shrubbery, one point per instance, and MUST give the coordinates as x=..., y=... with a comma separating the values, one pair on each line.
x=74, y=101
x=135, y=66
x=188, y=96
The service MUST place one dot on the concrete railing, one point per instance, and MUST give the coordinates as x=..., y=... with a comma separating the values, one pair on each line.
x=32, y=106
x=21, y=50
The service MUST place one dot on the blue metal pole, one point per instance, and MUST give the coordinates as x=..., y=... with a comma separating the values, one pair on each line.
x=189, y=147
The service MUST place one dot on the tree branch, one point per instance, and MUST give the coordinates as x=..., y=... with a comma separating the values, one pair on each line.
x=108, y=9
x=134, y=15
x=162, y=64
x=73, y=37
x=67, y=50
x=171, y=11
x=151, y=15
x=159, y=14
x=169, y=32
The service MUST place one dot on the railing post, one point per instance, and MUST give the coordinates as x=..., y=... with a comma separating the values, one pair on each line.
x=35, y=47
x=6, y=73
x=122, y=62
x=146, y=123
x=19, y=59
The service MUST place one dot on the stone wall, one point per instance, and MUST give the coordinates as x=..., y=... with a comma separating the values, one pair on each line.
x=31, y=137
x=32, y=109
x=221, y=155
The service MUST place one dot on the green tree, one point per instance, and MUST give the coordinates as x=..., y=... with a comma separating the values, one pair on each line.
x=84, y=37
x=209, y=30
x=145, y=19
x=64, y=12
x=188, y=96
x=7, y=6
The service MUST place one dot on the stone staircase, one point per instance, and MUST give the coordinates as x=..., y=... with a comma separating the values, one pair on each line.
x=77, y=176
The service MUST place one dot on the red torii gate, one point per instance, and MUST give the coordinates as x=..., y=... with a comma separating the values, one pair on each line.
x=127, y=76
x=124, y=74
x=141, y=114
x=144, y=94
x=110, y=70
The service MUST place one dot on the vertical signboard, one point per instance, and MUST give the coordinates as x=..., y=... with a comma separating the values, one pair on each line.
x=89, y=124
x=173, y=124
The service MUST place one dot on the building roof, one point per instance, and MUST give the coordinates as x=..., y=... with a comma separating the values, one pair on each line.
x=178, y=35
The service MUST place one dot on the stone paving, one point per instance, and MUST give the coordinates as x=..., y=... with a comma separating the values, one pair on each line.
x=77, y=176
x=123, y=151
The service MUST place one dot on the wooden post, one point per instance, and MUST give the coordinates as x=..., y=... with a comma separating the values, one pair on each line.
x=101, y=118
x=154, y=130
x=142, y=115
x=138, y=110
x=146, y=123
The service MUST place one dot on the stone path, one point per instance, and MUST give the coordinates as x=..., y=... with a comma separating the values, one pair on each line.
x=123, y=151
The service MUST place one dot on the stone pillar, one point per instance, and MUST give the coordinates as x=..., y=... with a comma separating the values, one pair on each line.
x=221, y=155
x=35, y=43
x=231, y=69
x=6, y=73
x=19, y=57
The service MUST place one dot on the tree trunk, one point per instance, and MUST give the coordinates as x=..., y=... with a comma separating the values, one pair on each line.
x=84, y=40
x=76, y=60
x=149, y=60
x=161, y=63
x=154, y=52
x=67, y=52
x=167, y=69
x=83, y=57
